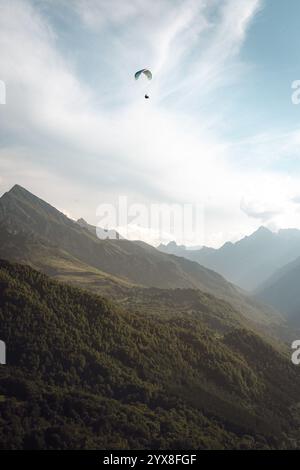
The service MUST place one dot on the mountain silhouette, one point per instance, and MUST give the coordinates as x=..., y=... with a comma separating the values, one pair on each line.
x=250, y=261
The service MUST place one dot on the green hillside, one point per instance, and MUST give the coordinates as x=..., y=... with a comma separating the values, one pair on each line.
x=84, y=372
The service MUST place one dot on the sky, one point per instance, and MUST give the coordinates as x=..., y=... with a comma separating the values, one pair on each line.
x=220, y=131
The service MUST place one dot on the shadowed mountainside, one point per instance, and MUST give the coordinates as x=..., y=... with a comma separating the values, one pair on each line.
x=282, y=290
x=84, y=373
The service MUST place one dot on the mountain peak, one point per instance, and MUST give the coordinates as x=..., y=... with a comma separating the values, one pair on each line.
x=263, y=229
x=18, y=189
x=261, y=232
x=22, y=211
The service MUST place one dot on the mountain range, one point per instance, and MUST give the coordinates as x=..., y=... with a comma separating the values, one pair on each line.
x=35, y=233
x=249, y=262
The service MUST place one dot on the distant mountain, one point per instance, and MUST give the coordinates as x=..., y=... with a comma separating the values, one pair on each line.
x=83, y=373
x=250, y=261
x=282, y=290
x=187, y=252
x=35, y=233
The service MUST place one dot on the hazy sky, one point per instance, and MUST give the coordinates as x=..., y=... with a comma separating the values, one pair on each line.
x=219, y=129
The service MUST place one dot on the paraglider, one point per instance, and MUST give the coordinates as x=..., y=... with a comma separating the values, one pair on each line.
x=147, y=74
x=145, y=71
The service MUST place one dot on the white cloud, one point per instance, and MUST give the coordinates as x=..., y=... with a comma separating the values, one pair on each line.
x=259, y=209
x=107, y=139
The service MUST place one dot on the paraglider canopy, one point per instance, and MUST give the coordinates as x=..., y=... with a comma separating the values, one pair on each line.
x=145, y=72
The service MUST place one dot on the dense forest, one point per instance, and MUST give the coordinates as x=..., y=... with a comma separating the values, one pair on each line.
x=83, y=372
